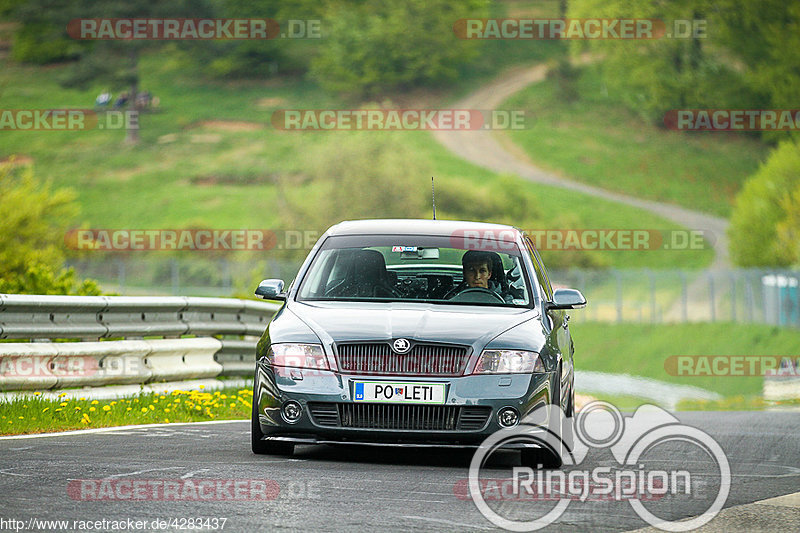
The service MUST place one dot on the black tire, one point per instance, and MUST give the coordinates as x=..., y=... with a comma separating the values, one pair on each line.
x=258, y=445
x=540, y=458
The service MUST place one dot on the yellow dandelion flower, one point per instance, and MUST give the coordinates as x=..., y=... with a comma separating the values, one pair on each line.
x=95, y=402
x=144, y=409
x=57, y=410
x=106, y=408
x=82, y=399
x=162, y=397
x=166, y=410
x=62, y=394
x=37, y=393
x=22, y=418
x=77, y=407
x=151, y=407
x=232, y=404
x=166, y=420
x=92, y=409
x=129, y=409
x=45, y=409
x=63, y=404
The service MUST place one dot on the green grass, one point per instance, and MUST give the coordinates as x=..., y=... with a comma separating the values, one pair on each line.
x=32, y=414
x=737, y=403
x=599, y=141
x=642, y=350
x=182, y=174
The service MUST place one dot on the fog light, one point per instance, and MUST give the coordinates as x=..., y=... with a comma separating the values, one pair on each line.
x=507, y=417
x=291, y=411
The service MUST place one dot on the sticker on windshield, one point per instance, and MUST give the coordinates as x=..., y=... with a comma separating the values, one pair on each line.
x=404, y=248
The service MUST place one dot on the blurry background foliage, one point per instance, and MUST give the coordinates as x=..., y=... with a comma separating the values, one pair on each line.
x=398, y=54
x=34, y=219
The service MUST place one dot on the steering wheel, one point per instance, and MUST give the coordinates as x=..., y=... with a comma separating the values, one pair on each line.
x=392, y=291
x=477, y=294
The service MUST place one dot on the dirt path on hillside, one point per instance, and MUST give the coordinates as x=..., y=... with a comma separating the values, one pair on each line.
x=484, y=148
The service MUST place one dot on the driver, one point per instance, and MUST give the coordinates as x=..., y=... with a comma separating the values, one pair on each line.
x=477, y=269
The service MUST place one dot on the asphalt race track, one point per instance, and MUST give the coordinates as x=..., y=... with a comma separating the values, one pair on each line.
x=326, y=488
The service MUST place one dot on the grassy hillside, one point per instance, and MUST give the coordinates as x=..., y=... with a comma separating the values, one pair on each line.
x=209, y=156
x=642, y=350
x=597, y=140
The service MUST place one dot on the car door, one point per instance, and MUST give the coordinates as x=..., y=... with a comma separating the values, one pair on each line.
x=558, y=320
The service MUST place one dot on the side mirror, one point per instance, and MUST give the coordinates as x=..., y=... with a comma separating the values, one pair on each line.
x=567, y=299
x=271, y=289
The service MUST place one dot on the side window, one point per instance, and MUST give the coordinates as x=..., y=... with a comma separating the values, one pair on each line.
x=541, y=273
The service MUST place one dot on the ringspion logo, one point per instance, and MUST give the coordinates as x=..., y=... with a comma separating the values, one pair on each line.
x=700, y=470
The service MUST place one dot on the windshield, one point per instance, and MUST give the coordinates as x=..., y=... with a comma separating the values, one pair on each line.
x=416, y=269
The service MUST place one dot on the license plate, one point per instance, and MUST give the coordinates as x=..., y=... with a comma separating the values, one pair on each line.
x=395, y=392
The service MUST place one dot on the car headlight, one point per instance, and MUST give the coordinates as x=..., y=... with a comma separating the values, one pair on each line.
x=508, y=362
x=310, y=356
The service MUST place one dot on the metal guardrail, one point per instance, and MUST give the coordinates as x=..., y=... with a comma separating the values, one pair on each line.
x=27, y=316
x=129, y=358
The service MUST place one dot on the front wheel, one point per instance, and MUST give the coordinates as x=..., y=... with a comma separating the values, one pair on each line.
x=546, y=457
x=260, y=446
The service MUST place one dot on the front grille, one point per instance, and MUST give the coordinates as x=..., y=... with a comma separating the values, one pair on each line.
x=401, y=417
x=422, y=359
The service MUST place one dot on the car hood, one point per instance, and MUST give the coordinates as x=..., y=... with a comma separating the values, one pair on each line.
x=467, y=325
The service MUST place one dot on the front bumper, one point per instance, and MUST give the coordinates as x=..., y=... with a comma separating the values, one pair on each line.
x=330, y=414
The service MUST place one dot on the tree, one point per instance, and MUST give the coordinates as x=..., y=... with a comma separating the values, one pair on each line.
x=653, y=76
x=373, y=47
x=365, y=175
x=764, y=36
x=34, y=222
x=765, y=225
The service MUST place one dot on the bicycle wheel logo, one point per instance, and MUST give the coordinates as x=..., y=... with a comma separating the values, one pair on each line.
x=600, y=426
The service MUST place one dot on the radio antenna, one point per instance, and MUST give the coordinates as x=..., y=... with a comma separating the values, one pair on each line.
x=433, y=198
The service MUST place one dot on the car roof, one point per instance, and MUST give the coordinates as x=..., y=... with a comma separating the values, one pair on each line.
x=408, y=226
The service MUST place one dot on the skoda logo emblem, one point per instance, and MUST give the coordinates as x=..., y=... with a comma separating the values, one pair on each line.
x=401, y=345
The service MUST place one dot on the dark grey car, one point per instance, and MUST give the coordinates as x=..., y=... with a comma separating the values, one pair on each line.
x=384, y=340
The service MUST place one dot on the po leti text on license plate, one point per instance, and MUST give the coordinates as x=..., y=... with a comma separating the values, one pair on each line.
x=386, y=391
